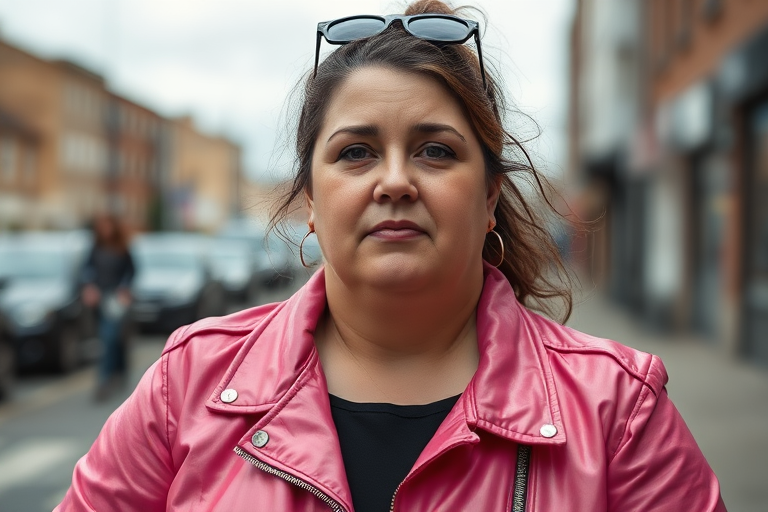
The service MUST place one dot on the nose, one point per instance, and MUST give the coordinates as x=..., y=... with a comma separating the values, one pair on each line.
x=395, y=182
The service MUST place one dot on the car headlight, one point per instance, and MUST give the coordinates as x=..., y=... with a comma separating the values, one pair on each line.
x=31, y=316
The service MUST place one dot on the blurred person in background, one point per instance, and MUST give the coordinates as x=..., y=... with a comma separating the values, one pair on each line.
x=107, y=276
x=410, y=372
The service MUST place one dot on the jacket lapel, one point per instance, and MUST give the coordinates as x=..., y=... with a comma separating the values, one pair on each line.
x=513, y=393
x=278, y=373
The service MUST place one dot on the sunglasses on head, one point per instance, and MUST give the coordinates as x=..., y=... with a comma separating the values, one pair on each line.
x=435, y=28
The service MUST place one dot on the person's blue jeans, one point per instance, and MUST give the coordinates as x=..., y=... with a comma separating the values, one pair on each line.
x=112, y=353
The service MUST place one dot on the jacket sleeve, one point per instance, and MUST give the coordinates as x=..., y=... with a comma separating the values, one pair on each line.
x=129, y=270
x=129, y=466
x=88, y=270
x=658, y=466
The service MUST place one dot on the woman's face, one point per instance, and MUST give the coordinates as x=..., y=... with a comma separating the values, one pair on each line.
x=399, y=194
x=105, y=229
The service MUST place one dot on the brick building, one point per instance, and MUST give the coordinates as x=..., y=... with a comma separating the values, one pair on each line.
x=64, y=106
x=205, y=177
x=138, y=154
x=70, y=148
x=687, y=181
x=19, y=147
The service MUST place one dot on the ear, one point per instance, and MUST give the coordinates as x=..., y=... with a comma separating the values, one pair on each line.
x=492, y=198
x=310, y=205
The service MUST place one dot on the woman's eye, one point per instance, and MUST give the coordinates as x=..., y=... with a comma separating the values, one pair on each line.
x=437, y=152
x=355, y=153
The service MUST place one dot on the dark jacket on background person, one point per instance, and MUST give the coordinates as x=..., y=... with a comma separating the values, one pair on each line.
x=235, y=416
x=108, y=269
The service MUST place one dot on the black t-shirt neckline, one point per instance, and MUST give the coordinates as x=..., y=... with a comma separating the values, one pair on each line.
x=380, y=442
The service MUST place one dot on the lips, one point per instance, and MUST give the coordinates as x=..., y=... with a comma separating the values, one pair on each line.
x=397, y=230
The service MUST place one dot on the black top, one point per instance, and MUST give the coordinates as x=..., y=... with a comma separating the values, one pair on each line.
x=109, y=269
x=380, y=443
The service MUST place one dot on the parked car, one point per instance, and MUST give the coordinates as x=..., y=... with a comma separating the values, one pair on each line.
x=7, y=363
x=274, y=259
x=235, y=265
x=174, y=284
x=45, y=320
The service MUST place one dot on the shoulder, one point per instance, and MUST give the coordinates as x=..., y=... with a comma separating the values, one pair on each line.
x=606, y=357
x=213, y=332
x=198, y=356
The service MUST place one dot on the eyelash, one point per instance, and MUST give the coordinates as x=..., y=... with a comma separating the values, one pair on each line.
x=449, y=153
x=345, y=153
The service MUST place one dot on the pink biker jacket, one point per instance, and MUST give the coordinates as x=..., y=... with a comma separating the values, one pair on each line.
x=235, y=417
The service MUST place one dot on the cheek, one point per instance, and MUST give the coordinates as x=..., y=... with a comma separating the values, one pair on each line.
x=464, y=202
x=338, y=203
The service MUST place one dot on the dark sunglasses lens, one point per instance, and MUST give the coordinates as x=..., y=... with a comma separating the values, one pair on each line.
x=439, y=29
x=357, y=28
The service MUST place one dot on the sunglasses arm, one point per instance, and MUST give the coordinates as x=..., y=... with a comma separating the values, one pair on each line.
x=317, y=52
x=479, y=56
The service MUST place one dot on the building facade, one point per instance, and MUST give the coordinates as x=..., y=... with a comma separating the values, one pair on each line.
x=19, y=149
x=64, y=106
x=137, y=158
x=71, y=148
x=697, y=158
x=205, y=177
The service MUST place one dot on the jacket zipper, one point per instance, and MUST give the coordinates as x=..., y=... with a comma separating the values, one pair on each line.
x=446, y=449
x=392, y=505
x=333, y=504
x=520, y=493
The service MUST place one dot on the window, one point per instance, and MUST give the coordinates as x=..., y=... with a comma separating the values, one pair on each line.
x=684, y=23
x=712, y=9
x=7, y=159
x=29, y=171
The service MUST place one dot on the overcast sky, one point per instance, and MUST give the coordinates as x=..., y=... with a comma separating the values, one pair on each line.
x=231, y=63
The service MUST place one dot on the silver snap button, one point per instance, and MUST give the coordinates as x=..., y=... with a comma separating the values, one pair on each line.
x=260, y=439
x=228, y=396
x=548, y=430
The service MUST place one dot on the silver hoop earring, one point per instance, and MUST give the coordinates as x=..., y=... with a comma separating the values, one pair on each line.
x=501, y=245
x=301, y=249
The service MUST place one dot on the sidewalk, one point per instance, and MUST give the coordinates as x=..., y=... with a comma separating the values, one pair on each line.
x=723, y=400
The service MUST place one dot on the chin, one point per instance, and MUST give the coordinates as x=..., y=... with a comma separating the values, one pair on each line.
x=400, y=274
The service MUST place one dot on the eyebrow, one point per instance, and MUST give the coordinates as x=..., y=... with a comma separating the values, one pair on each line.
x=369, y=130
x=437, y=128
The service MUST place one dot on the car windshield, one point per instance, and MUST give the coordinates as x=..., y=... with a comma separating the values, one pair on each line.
x=29, y=263
x=154, y=259
x=226, y=253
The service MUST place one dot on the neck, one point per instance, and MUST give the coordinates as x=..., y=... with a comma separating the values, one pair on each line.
x=419, y=347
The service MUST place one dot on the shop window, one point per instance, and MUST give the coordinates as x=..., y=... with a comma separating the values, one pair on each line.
x=661, y=16
x=684, y=24
x=30, y=166
x=712, y=9
x=755, y=313
x=7, y=159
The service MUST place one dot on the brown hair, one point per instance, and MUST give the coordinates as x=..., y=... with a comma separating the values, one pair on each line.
x=530, y=253
x=118, y=239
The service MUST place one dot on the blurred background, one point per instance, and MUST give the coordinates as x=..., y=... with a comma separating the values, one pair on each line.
x=649, y=117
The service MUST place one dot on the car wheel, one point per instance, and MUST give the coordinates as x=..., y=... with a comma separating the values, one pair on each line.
x=7, y=370
x=66, y=354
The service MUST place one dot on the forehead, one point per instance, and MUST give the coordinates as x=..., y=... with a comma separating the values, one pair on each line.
x=379, y=95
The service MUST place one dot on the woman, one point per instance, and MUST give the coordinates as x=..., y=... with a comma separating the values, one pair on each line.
x=406, y=374
x=107, y=277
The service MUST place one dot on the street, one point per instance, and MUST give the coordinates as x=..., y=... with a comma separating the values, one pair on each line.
x=52, y=421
